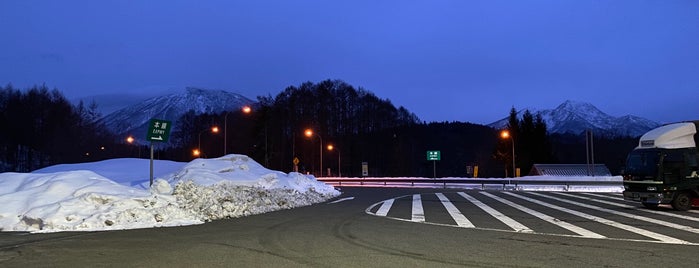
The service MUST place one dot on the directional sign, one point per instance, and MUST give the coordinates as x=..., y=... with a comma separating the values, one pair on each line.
x=159, y=130
x=434, y=155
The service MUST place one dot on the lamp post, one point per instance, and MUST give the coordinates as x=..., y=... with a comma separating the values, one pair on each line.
x=339, y=170
x=506, y=134
x=197, y=152
x=130, y=139
x=309, y=133
x=246, y=110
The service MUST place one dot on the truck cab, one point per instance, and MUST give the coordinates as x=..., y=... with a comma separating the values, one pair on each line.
x=664, y=168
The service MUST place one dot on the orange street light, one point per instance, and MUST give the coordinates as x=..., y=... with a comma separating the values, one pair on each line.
x=196, y=152
x=246, y=110
x=130, y=139
x=339, y=169
x=506, y=134
x=309, y=133
x=213, y=129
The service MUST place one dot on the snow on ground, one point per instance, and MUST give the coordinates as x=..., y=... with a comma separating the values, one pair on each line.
x=115, y=194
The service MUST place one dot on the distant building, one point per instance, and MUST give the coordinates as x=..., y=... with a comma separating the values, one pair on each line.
x=569, y=170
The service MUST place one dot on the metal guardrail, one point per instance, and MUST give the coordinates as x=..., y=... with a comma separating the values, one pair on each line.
x=465, y=181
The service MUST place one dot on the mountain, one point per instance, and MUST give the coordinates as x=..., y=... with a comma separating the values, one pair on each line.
x=575, y=117
x=133, y=120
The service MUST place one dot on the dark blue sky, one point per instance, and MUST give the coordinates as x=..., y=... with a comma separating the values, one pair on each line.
x=444, y=60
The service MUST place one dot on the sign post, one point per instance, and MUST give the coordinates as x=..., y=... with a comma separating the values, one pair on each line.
x=296, y=164
x=158, y=131
x=434, y=156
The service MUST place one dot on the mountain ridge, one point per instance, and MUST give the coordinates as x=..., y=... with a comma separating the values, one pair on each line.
x=575, y=117
x=133, y=120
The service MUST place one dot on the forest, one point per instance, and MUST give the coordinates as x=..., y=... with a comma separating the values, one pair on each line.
x=41, y=128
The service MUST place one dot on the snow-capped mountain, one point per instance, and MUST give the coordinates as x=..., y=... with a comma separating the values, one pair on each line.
x=133, y=120
x=575, y=117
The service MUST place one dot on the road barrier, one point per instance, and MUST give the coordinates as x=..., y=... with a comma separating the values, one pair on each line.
x=456, y=182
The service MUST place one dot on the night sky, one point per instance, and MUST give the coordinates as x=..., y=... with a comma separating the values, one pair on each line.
x=443, y=60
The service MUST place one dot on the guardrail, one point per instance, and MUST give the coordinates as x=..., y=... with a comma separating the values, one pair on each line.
x=454, y=182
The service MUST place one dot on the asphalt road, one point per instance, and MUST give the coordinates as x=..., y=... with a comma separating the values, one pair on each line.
x=343, y=234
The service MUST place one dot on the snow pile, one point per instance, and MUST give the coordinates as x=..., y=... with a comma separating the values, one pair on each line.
x=202, y=190
x=242, y=170
x=235, y=186
x=82, y=200
x=227, y=200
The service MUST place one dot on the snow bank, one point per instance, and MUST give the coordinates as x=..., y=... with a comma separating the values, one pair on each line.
x=243, y=171
x=82, y=200
x=236, y=185
x=200, y=191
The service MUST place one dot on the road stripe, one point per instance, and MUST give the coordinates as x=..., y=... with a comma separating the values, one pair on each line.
x=342, y=200
x=385, y=207
x=613, y=197
x=418, y=214
x=674, y=215
x=570, y=227
x=458, y=217
x=646, y=233
x=629, y=215
x=515, y=225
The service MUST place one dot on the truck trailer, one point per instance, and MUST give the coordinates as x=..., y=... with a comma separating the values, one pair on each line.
x=663, y=168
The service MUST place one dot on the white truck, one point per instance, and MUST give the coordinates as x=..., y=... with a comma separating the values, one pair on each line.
x=663, y=168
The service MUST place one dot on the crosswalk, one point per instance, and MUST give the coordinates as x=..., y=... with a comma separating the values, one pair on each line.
x=587, y=215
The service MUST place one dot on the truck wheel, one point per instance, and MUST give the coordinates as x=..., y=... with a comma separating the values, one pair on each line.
x=682, y=202
x=650, y=205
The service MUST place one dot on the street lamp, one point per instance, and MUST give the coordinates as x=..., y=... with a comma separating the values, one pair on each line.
x=506, y=134
x=309, y=133
x=197, y=152
x=339, y=169
x=130, y=139
x=246, y=110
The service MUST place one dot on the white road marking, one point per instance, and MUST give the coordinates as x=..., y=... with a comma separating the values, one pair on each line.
x=342, y=200
x=681, y=216
x=385, y=207
x=458, y=217
x=614, y=197
x=578, y=230
x=418, y=214
x=515, y=225
x=628, y=215
x=629, y=228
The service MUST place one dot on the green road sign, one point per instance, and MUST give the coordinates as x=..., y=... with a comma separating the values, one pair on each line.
x=159, y=130
x=434, y=155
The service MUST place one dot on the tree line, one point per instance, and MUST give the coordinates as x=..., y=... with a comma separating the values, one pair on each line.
x=43, y=128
